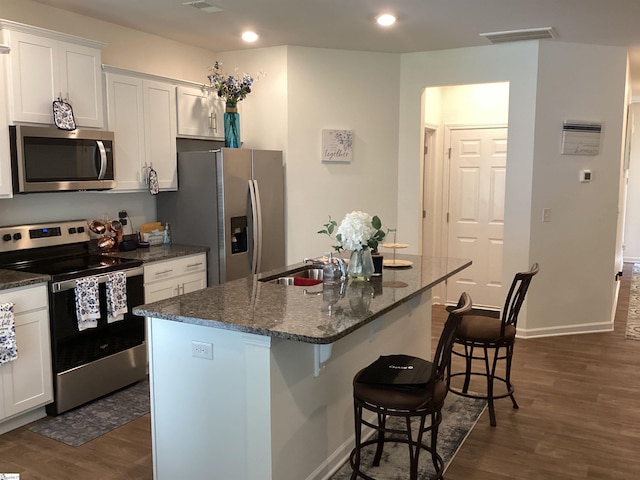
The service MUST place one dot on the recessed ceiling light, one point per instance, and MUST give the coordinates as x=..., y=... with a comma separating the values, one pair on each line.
x=386, y=19
x=250, y=37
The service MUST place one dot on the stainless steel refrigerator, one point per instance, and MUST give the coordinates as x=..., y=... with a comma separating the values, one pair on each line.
x=231, y=200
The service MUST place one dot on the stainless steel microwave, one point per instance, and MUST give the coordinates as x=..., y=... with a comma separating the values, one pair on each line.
x=47, y=159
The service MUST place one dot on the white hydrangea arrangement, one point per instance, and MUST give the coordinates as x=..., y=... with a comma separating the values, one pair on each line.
x=357, y=231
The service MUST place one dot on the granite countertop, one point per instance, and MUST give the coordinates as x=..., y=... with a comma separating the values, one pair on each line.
x=158, y=253
x=14, y=279
x=318, y=314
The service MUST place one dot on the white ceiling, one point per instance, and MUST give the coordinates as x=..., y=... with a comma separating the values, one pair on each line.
x=349, y=24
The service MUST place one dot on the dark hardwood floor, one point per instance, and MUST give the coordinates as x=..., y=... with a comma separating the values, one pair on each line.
x=579, y=418
x=579, y=415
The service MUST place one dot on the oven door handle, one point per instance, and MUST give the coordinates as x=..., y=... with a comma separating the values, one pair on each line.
x=58, y=287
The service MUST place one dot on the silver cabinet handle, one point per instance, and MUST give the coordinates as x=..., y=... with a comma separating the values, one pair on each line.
x=163, y=272
x=192, y=265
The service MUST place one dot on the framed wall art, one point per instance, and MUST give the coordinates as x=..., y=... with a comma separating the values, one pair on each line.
x=337, y=146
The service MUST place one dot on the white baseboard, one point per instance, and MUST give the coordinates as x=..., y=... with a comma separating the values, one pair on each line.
x=22, y=420
x=565, y=330
x=631, y=259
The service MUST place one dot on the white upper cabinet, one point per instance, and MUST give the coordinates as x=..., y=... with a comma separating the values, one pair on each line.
x=45, y=65
x=200, y=112
x=141, y=111
x=6, y=190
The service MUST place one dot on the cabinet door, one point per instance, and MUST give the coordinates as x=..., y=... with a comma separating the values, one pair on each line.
x=199, y=112
x=34, y=70
x=27, y=381
x=81, y=83
x=125, y=118
x=160, y=290
x=43, y=69
x=193, y=282
x=160, y=131
x=6, y=189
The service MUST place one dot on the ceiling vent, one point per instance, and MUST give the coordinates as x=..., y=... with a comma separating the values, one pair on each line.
x=204, y=6
x=518, y=35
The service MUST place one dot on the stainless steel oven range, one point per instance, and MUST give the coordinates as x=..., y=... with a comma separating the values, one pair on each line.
x=92, y=362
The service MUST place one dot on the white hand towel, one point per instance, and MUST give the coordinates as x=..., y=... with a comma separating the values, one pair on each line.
x=116, y=296
x=87, y=302
x=8, y=346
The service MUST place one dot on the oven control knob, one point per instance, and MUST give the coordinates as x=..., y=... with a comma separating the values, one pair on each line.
x=6, y=237
x=17, y=236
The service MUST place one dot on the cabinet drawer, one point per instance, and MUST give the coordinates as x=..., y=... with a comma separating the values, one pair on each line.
x=26, y=298
x=173, y=268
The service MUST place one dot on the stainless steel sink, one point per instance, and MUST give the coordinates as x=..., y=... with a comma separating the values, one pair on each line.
x=288, y=278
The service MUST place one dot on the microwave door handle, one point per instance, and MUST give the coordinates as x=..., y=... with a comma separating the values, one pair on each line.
x=103, y=159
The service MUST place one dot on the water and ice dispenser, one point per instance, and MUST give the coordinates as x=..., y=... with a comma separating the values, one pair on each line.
x=238, y=234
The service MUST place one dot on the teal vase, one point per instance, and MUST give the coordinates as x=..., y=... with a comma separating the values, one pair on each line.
x=231, y=126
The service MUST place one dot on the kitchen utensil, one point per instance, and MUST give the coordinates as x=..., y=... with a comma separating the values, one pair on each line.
x=106, y=242
x=115, y=226
x=97, y=227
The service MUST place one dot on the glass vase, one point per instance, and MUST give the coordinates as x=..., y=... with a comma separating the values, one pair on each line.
x=231, y=126
x=361, y=265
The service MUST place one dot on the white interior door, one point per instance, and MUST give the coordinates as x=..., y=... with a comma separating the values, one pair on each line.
x=476, y=213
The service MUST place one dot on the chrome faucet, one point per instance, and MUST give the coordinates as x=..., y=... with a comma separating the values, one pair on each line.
x=343, y=267
x=315, y=262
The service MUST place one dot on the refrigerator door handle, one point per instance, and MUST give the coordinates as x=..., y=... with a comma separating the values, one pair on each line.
x=259, y=230
x=254, y=217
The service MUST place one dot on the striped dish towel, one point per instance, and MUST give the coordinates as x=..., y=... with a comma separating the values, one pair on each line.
x=87, y=302
x=8, y=346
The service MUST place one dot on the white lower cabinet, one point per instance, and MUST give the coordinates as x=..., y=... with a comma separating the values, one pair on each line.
x=174, y=277
x=26, y=383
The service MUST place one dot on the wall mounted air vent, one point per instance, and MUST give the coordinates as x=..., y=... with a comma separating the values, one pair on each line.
x=204, y=6
x=519, y=35
x=581, y=138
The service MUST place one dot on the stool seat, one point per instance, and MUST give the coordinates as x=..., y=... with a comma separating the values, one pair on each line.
x=399, y=398
x=485, y=329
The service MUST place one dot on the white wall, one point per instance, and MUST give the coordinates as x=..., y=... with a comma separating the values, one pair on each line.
x=338, y=89
x=515, y=63
x=632, y=226
x=577, y=249
x=582, y=237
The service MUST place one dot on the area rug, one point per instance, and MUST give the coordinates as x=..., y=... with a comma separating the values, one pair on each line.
x=90, y=421
x=459, y=416
x=633, y=316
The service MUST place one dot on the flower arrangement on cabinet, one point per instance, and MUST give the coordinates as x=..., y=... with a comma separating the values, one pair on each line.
x=232, y=89
x=357, y=231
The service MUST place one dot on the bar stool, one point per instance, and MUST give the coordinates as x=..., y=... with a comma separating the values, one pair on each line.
x=381, y=389
x=485, y=331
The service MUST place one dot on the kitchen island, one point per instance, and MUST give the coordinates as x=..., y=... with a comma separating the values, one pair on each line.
x=252, y=379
